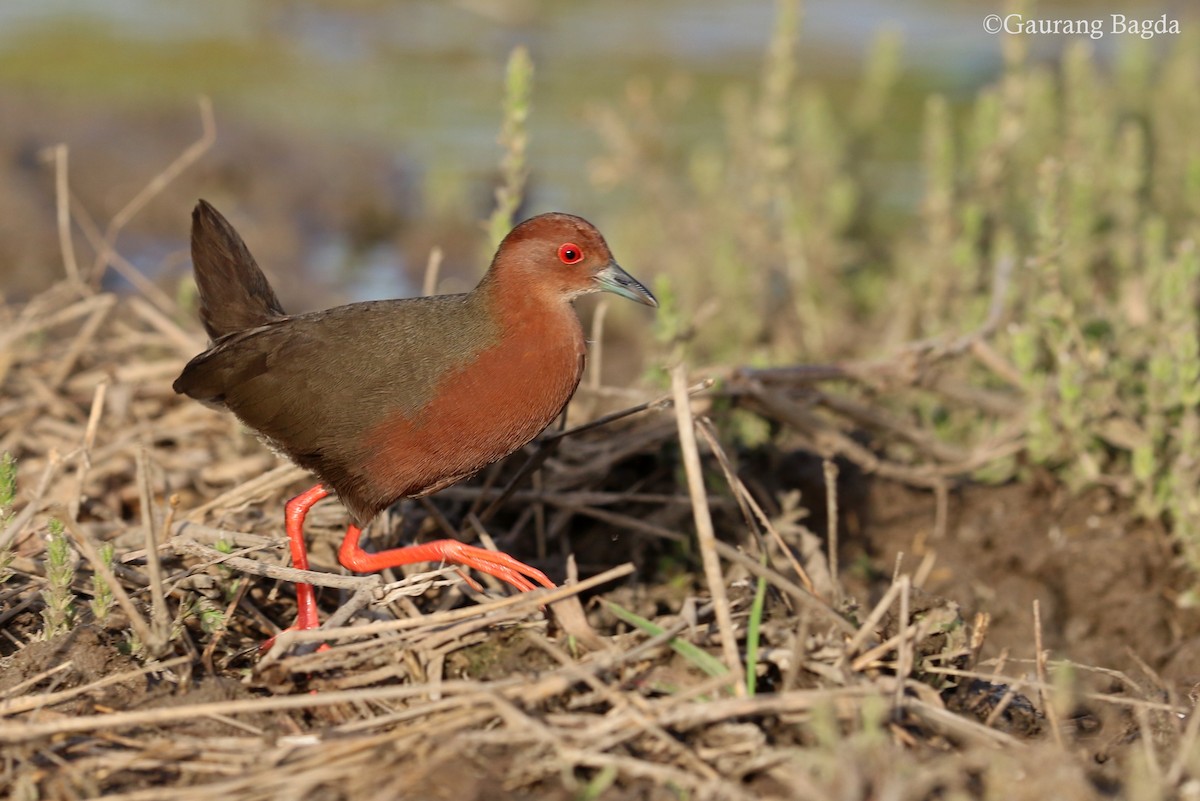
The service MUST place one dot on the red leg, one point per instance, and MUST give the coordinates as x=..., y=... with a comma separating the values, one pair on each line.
x=306, y=598
x=500, y=565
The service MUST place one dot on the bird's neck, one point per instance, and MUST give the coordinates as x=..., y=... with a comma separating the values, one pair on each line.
x=518, y=303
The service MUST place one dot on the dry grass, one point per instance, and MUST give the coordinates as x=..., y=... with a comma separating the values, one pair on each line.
x=430, y=689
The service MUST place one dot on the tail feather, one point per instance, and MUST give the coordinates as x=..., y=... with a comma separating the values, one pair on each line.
x=234, y=294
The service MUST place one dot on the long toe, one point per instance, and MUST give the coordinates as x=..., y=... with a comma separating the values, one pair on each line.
x=511, y=576
x=500, y=565
x=512, y=567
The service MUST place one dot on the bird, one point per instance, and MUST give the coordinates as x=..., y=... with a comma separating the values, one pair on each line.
x=390, y=399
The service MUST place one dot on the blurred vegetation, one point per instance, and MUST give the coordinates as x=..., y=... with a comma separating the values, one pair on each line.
x=8, y=494
x=514, y=139
x=1074, y=187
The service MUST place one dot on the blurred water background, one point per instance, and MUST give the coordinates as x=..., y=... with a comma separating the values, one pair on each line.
x=354, y=136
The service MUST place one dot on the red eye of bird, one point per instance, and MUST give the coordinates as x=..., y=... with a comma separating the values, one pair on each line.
x=570, y=253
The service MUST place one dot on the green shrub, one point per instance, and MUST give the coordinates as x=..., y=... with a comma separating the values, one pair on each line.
x=815, y=229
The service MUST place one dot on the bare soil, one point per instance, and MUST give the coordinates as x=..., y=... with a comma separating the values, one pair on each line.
x=1107, y=584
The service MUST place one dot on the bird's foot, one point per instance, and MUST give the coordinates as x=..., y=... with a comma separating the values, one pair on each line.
x=494, y=563
x=307, y=618
x=269, y=643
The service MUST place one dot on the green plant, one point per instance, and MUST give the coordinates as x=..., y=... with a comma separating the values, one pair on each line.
x=8, y=484
x=59, y=610
x=754, y=633
x=697, y=656
x=599, y=785
x=1065, y=195
x=211, y=616
x=8, y=493
x=102, y=594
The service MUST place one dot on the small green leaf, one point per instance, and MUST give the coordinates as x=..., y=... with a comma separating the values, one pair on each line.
x=698, y=657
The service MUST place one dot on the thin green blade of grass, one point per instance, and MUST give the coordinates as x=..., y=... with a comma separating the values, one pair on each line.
x=599, y=784
x=698, y=657
x=754, y=632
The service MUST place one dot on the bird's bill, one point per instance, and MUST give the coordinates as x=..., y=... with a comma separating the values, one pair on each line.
x=613, y=279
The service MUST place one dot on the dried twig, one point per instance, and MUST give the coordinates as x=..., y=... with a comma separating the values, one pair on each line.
x=161, y=616
x=704, y=526
x=1044, y=688
x=744, y=496
x=184, y=545
x=830, y=471
x=62, y=197
x=433, y=268
x=208, y=135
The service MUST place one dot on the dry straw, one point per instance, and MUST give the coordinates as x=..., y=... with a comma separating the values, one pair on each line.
x=425, y=681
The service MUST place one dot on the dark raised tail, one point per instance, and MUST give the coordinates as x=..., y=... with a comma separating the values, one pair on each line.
x=234, y=294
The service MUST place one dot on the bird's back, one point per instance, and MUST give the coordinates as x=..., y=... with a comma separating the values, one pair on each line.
x=378, y=408
x=385, y=399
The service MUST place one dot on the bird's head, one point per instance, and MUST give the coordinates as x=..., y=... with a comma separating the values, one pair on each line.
x=566, y=256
